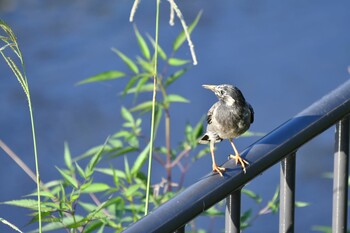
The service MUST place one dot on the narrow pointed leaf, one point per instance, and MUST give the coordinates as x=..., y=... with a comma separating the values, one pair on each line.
x=175, y=76
x=104, y=76
x=142, y=43
x=127, y=115
x=177, y=62
x=96, y=187
x=176, y=98
x=67, y=156
x=161, y=52
x=145, y=106
x=68, y=178
x=132, y=66
x=180, y=39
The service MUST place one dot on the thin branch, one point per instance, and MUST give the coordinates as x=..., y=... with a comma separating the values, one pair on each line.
x=133, y=10
x=183, y=23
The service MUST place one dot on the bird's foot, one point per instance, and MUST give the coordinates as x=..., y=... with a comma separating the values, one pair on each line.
x=218, y=169
x=239, y=160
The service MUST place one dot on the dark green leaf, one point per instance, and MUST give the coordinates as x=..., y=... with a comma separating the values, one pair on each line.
x=180, y=39
x=175, y=76
x=123, y=151
x=143, y=45
x=104, y=76
x=132, y=66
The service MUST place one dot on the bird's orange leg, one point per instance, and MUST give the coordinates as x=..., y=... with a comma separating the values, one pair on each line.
x=216, y=168
x=238, y=157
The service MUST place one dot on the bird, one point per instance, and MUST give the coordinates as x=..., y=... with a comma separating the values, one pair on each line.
x=228, y=118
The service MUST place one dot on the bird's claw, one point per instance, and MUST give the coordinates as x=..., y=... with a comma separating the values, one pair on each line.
x=239, y=160
x=218, y=169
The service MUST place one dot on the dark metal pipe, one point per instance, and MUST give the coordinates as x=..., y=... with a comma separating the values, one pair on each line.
x=263, y=154
x=340, y=180
x=287, y=194
x=233, y=212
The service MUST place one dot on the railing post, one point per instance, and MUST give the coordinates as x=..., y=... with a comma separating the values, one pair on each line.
x=233, y=212
x=287, y=194
x=340, y=180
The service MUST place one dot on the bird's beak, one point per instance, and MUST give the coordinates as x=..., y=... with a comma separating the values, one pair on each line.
x=210, y=87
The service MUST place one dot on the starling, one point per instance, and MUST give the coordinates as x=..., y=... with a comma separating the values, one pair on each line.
x=228, y=118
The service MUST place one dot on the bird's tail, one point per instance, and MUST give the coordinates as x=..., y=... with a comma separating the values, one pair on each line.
x=205, y=139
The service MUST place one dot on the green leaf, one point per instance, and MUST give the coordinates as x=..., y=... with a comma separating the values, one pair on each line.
x=148, y=87
x=176, y=98
x=94, y=160
x=180, y=39
x=127, y=115
x=213, y=211
x=175, y=76
x=132, y=66
x=131, y=190
x=161, y=52
x=141, y=158
x=142, y=43
x=68, y=178
x=145, y=106
x=25, y=203
x=123, y=151
x=146, y=65
x=325, y=229
x=104, y=76
x=67, y=156
x=252, y=195
x=201, y=153
x=80, y=170
x=177, y=62
x=300, y=204
x=111, y=172
x=127, y=170
x=96, y=187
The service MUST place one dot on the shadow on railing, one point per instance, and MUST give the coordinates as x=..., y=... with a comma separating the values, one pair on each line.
x=280, y=145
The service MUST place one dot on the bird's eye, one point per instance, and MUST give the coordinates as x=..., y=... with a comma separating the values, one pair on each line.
x=222, y=92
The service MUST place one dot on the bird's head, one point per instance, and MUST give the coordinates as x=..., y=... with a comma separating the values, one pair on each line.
x=227, y=93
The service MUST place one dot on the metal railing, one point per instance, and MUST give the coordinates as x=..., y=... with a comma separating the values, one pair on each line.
x=280, y=145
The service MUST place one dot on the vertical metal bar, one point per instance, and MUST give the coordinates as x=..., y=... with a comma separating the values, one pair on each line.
x=340, y=180
x=233, y=212
x=287, y=194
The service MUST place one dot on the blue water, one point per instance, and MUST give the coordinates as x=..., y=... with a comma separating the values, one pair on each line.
x=282, y=55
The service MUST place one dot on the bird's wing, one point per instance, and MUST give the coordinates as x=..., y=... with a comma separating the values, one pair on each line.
x=210, y=112
x=251, y=113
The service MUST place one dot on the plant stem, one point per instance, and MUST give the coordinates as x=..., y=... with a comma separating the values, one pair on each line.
x=168, y=148
x=153, y=109
x=36, y=159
